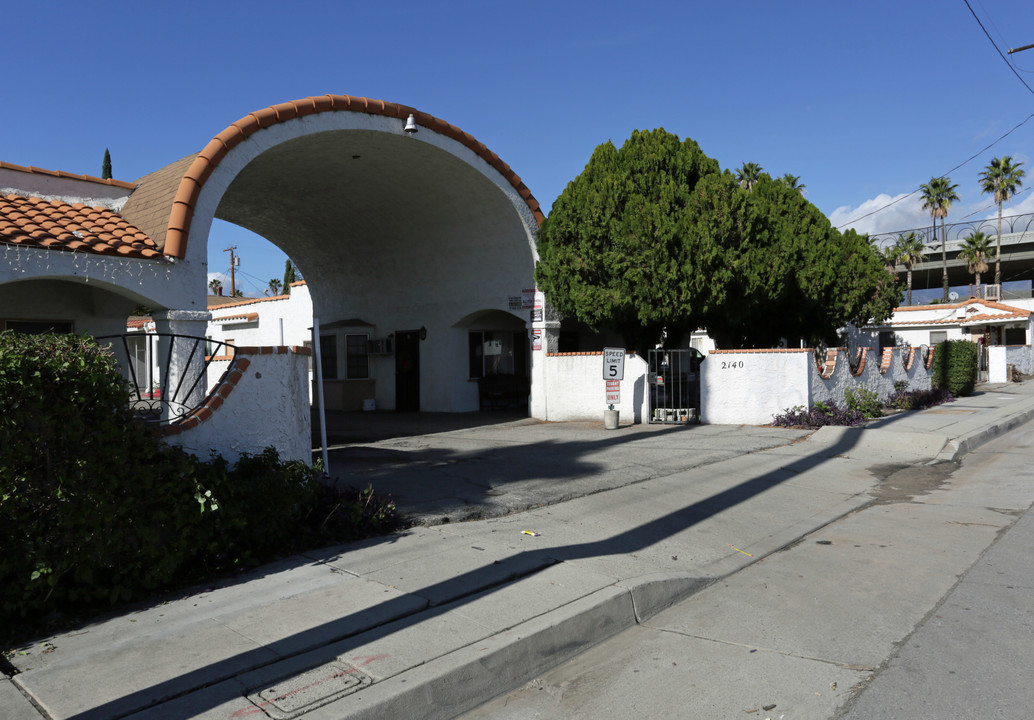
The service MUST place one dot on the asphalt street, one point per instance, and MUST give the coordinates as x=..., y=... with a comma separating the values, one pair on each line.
x=919, y=605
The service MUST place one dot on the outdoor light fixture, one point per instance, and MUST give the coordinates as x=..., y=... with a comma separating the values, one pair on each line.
x=423, y=333
x=410, y=124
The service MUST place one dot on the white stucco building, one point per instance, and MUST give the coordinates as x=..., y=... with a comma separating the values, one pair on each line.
x=416, y=241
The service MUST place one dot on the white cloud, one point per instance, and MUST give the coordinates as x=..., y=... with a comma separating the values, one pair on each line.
x=888, y=214
x=901, y=213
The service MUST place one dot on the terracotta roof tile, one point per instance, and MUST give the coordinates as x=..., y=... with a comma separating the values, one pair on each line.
x=215, y=301
x=250, y=317
x=60, y=173
x=32, y=222
x=176, y=206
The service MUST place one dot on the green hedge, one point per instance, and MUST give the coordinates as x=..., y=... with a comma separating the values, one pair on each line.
x=955, y=366
x=95, y=510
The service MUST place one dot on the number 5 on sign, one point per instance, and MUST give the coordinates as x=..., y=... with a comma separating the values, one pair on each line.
x=613, y=363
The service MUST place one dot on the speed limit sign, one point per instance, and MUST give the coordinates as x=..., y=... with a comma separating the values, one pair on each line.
x=613, y=363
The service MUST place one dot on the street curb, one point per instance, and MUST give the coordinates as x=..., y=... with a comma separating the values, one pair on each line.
x=959, y=447
x=472, y=675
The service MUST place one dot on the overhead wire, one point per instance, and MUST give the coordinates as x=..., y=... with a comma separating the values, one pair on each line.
x=972, y=157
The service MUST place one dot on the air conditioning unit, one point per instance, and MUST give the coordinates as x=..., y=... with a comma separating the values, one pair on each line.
x=992, y=292
x=379, y=346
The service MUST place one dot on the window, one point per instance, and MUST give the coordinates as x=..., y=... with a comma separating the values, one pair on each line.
x=357, y=359
x=328, y=357
x=938, y=336
x=495, y=352
x=1016, y=336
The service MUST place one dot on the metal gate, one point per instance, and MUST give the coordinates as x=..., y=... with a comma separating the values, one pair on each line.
x=674, y=379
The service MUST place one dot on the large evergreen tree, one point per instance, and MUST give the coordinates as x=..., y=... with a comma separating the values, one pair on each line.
x=106, y=166
x=654, y=237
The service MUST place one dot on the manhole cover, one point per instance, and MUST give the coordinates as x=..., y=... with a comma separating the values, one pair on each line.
x=299, y=694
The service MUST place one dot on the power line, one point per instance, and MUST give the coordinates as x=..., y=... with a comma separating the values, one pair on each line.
x=960, y=165
x=973, y=157
x=998, y=49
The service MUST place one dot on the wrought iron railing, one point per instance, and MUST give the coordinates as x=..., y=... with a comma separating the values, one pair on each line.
x=167, y=373
x=957, y=231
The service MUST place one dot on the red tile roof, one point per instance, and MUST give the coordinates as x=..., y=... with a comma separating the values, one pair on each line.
x=59, y=173
x=250, y=317
x=189, y=189
x=1007, y=313
x=215, y=302
x=32, y=222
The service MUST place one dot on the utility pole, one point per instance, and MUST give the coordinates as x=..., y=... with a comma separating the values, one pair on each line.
x=1021, y=49
x=234, y=261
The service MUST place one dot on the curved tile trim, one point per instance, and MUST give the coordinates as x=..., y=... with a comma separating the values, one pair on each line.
x=207, y=160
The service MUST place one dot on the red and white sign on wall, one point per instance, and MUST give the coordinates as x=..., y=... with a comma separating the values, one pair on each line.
x=536, y=340
x=613, y=392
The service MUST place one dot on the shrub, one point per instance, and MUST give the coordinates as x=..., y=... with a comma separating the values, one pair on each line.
x=919, y=399
x=864, y=401
x=829, y=414
x=820, y=415
x=94, y=510
x=955, y=366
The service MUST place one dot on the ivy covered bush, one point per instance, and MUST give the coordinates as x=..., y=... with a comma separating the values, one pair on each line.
x=95, y=510
x=955, y=366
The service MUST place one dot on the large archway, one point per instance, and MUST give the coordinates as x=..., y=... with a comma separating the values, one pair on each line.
x=402, y=232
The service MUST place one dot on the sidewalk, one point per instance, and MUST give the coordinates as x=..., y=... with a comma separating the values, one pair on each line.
x=433, y=622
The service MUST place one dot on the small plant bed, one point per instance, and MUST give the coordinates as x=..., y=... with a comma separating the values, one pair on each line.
x=860, y=406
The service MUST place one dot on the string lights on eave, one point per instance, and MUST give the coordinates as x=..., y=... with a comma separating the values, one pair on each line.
x=120, y=271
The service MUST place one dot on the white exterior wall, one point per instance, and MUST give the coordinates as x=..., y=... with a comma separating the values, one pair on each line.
x=292, y=313
x=752, y=386
x=575, y=389
x=268, y=407
x=748, y=388
x=997, y=370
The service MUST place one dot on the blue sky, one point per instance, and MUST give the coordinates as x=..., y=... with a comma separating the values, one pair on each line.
x=864, y=101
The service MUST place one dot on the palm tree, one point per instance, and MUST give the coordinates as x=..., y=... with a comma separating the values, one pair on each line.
x=938, y=195
x=909, y=250
x=274, y=286
x=748, y=175
x=1001, y=178
x=793, y=182
x=975, y=248
x=216, y=286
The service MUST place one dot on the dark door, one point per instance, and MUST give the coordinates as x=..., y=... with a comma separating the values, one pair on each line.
x=407, y=370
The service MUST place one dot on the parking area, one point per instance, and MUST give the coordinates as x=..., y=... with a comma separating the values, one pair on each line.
x=453, y=467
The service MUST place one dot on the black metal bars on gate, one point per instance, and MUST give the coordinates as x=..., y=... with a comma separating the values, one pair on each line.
x=167, y=373
x=674, y=380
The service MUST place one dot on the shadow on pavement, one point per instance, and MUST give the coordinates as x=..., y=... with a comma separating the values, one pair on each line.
x=459, y=586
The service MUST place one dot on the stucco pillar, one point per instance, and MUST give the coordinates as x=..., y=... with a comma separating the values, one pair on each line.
x=544, y=327
x=181, y=352
x=997, y=364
